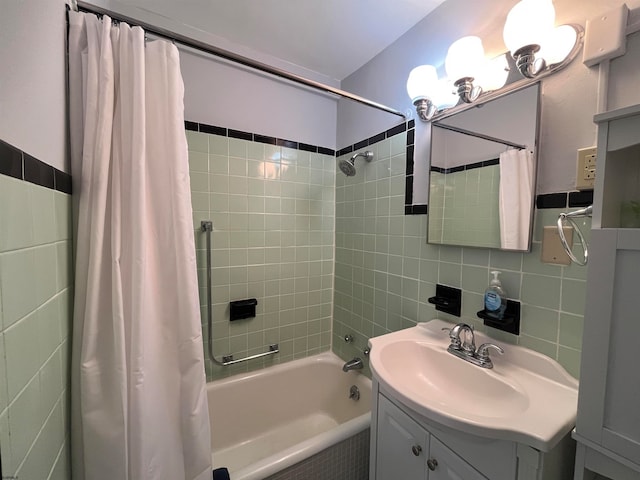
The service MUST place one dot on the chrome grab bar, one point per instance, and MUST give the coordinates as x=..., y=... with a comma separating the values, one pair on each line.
x=207, y=227
x=568, y=217
x=228, y=359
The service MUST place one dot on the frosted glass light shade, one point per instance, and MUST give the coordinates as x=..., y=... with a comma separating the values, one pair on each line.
x=494, y=74
x=465, y=58
x=421, y=81
x=558, y=44
x=528, y=23
x=445, y=95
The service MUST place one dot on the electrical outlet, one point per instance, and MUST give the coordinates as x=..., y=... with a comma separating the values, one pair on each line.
x=586, y=168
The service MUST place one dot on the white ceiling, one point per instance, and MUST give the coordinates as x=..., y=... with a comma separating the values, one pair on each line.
x=330, y=37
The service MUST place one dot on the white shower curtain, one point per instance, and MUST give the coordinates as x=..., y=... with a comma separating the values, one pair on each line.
x=515, y=198
x=139, y=408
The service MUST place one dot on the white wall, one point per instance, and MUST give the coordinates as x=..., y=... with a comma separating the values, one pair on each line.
x=32, y=78
x=227, y=95
x=568, y=98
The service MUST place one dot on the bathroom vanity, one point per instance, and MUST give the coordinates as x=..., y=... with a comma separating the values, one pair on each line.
x=436, y=416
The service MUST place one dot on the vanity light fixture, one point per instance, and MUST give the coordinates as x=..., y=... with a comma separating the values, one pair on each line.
x=421, y=85
x=532, y=38
x=464, y=62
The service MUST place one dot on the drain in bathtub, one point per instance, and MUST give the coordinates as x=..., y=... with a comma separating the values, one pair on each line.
x=354, y=393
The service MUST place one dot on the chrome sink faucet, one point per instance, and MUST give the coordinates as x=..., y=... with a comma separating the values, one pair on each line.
x=464, y=348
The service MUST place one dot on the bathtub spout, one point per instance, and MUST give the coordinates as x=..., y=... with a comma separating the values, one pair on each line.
x=353, y=364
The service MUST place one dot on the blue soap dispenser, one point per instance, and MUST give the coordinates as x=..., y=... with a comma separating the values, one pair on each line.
x=495, y=298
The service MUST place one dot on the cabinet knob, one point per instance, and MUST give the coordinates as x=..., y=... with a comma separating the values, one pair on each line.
x=432, y=463
x=416, y=449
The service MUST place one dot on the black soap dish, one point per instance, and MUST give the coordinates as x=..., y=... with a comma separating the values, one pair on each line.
x=509, y=322
x=447, y=299
x=240, y=309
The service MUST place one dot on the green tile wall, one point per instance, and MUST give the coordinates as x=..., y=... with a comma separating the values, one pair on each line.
x=465, y=204
x=385, y=270
x=273, y=213
x=35, y=317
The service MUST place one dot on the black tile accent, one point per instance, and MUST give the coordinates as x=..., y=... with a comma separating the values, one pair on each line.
x=307, y=148
x=264, y=139
x=10, y=161
x=459, y=168
x=38, y=172
x=409, y=159
x=326, y=151
x=411, y=137
x=204, y=128
x=193, y=126
x=472, y=166
x=344, y=151
x=408, y=190
x=411, y=124
x=362, y=144
x=62, y=182
x=438, y=169
x=551, y=200
x=243, y=135
x=419, y=209
x=489, y=163
x=408, y=209
x=376, y=138
x=581, y=199
x=286, y=143
x=396, y=130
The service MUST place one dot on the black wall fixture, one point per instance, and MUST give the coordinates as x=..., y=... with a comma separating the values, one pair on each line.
x=447, y=299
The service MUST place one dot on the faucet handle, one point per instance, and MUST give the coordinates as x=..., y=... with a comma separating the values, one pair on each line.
x=483, y=351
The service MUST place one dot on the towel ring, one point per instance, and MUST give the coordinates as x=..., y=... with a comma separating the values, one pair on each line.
x=586, y=212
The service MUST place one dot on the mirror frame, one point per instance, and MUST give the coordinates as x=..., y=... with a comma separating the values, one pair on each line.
x=511, y=88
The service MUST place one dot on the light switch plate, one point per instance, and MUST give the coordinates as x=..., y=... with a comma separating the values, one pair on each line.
x=552, y=249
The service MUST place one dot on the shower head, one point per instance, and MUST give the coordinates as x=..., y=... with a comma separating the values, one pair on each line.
x=348, y=167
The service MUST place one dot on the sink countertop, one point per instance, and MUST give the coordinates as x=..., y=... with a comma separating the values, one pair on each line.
x=527, y=397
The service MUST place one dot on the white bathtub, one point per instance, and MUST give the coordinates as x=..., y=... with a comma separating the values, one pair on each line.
x=268, y=420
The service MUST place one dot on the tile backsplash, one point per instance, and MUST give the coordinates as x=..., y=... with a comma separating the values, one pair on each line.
x=272, y=206
x=35, y=317
x=277, y=207
x=385, y=270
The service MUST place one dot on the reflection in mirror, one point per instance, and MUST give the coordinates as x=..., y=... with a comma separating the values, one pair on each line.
x=482, y=178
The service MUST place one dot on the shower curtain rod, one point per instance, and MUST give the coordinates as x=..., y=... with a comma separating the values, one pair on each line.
x=234, y=57
x=480, y=135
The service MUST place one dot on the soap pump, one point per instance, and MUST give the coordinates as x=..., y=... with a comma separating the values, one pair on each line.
x=495, y=298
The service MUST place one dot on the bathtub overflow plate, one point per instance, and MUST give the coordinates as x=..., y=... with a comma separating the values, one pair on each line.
x=354, y=393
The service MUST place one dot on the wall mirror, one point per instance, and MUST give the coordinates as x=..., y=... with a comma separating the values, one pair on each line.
x=482, y=173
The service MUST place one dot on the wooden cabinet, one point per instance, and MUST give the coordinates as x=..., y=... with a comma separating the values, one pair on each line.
x=608, y=423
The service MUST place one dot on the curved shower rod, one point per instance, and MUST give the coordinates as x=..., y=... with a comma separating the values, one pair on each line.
x=234, y=57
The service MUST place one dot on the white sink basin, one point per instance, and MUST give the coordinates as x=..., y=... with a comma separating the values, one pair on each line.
x=527, y=397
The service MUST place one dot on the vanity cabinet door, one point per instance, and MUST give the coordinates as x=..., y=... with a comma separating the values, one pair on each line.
x=444, y=464
x=402, y=445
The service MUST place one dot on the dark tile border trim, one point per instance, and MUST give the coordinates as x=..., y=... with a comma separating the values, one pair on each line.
x=408, y=127
x=470, y=166
x=564, y=199
x=18, y=164
x=256, y=137
x=402, y=127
